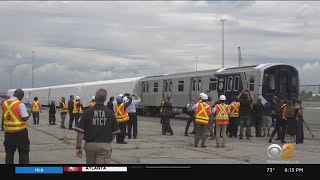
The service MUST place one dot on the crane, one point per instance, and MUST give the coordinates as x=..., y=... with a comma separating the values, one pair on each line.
x=239, y=57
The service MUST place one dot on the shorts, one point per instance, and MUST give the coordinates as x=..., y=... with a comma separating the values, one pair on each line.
x=266, y=121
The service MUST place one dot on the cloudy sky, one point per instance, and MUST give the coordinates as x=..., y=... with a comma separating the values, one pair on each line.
x=90, y=41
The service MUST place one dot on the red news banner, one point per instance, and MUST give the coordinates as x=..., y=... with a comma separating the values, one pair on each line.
x=94, y=169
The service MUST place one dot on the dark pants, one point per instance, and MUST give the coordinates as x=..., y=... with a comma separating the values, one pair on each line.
x=52, y=119
x=245, y=122
x=190, y=119
x=233, y=126
x=2, y=125
x=166, y=127
x=210, y=127
x=20, y=141
x=71, y=116
x=35, y=116
x=76, y=119
x=122, y=135
x=300, y=133
x=280, y=124
x=133, y=121
x=201, y=133
x=258, y=125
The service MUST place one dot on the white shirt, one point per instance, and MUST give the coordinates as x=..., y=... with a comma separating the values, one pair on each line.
x=22, y=108
x=132, y=107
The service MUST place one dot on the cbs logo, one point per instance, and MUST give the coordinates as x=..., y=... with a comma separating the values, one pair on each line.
x=286, y=152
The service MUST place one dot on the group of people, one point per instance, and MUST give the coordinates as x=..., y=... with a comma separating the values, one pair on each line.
x=211, y=118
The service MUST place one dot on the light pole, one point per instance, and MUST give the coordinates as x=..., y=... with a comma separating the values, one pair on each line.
x=11, y=78
x=196, y=63
x=32, y=67
x=223, y=20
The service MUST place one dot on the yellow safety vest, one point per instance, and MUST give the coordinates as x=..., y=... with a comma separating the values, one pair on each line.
x=12, y=119
x=35, y=106
x=64, y=107
x=75, y=108
x=222, y=116
x=91, y=104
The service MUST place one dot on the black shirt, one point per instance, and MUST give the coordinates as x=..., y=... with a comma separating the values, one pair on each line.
x=110, y=105
x=245, y=107
x=98, y=124
x=70, y=106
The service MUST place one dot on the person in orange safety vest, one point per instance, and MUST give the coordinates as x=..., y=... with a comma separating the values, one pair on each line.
x=222, y=112
x=202, y=116
x=234, y=117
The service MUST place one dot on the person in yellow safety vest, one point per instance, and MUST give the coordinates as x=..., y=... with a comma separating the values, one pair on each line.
x=36, y=108
x=234, y=117
x=16, y=136
x=63, y=111
x=222, y=112
x=202, y=116
x=77, y=110
x=2, y=124
x=92, y=103
x=121, y=113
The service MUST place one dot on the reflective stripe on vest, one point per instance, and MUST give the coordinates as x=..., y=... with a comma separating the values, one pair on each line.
x=64, y=107
x=202, y=113
x=35, y=106
x=221, y=114
x=121, y=114
x=75, y=108
x=235, y=109
x=12, y=119
x=91, y=104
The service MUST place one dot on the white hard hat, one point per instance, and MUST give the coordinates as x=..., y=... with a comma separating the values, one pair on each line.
x=93, y=97
x=77, y=97
x=125, y=99
x=201, y=95
x=120, y=95
x=222, y=98
x=204, y=97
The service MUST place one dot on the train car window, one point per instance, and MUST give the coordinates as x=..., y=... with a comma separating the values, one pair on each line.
x=251, y=83
x=213, y=84
x=166, y=87
x=170, y=87
x=199, y=85
x=155, y=87
x=147, y=87
x=143, y=87
x=194, y=83
x=180, y=86
x=229, y=84
x=236, y=83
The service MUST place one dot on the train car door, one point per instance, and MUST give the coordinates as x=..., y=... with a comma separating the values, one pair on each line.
x=145, y=90
x=233, y=86
x=196, y=88
x=221, y=85
x=167, y=90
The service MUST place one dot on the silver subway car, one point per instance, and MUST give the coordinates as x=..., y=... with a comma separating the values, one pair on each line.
x=263, y=81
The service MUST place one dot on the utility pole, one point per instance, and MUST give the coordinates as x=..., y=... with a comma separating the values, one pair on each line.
x=32, y=67
x=223, y=20
x=196, y=63
x=11, y=78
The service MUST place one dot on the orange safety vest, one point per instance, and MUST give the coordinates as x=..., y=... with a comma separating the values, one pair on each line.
x=35, y=106
x=234, y=109
x=64, y=107
x=203, y=113
x=75, y=108
x=12, y=119
x=121, y=114
x=91, y=104
x=222, y=114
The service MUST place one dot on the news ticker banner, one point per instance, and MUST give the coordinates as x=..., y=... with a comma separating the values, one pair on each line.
x=68, y=169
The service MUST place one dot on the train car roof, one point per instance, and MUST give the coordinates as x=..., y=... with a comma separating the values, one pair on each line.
x=246, y=68
x=183, y=74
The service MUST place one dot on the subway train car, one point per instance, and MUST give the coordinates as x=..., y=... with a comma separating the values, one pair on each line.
x=263, y=81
